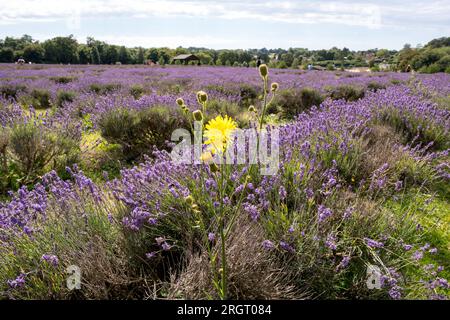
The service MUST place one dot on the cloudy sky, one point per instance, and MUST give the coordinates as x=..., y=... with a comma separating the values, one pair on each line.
x=232, y=23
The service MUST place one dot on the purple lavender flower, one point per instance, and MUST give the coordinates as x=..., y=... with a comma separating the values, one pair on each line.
x=398, y=185
x=268, y=245
x=347, y=213
x=251, y=210
x=52, y=259
x=394, y=293
x=373, y=244
x=211, y=236
x=282, y=193
x=19, y=282
x=407, y=247
x=286, y=246
x=418, y=255
x=433, y=250
x=331, y=242
x=324, y=213
x=344, y=263
x=150, y=255
x=165, y=246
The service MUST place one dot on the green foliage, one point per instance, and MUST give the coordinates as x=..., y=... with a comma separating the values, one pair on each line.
x=104, y=88
x=34, y=53
x=375, y=86
x=63, y=97
x=63, y=79
x=29, y=150
x=41, y=98
x=6, y=55
x=431, y=59
x=136, y=90
x=293, y=102
x=416, y=129
x=346, y=92
x=223, y=107
x=9, y=91
x=137, y=131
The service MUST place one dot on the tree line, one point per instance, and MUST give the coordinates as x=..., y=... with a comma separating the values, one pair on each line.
x=433, y=57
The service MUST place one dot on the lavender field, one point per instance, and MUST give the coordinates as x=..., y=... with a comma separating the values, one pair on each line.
x=92, y=205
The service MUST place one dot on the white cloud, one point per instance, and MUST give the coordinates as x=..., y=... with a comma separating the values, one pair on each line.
x=353, y=13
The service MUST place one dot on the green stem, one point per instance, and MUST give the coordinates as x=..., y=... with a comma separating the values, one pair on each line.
x=264, y=105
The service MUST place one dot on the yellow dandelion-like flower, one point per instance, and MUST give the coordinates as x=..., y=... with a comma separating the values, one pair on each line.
x=219, y=132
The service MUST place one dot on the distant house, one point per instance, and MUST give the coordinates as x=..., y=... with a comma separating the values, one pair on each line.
x=186, y=58
x=319, y=68
x=358, y=69
x=384, y=66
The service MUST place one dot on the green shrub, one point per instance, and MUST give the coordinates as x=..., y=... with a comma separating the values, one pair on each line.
x=223, y=107
x=136, y=131
x=11, y=91
x=41, y=99
x=62, y=79
x=375, y=86
x=248, y=95
x=432, y=68
x=136, y=91
x=293, y=102
x=64, y=97
x=34, y=149
x=395, y=81
x=346, y=92
x=416, y=129
x=104, y=88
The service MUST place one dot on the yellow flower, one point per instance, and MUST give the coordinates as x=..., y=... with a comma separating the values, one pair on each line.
x=219, y=132
x=206, y=157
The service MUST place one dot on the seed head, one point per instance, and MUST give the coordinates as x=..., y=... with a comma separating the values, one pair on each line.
x=263, y=71
x=198, y=115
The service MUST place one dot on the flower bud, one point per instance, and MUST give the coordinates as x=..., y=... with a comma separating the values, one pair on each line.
x=202, y=97
x=189, y=200
x=263, y=71
x=180, y=102
x=274, y=86
x=213, y=167
x=198, y=115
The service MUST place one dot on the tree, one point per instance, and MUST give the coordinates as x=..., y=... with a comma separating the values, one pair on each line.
x=111, y=55
x=6, y=55
x=124, y=55
x=153, y=54
x=61, y=50
x=84, y=54
x=95, y=56
x=34, y=53
x=141, y=56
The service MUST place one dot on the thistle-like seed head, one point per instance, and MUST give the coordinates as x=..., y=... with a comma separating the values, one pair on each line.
x=180, y=102
x=198, y=115
x=274, y=86
x=263, y=71
x=202, y=97
x=189, y=200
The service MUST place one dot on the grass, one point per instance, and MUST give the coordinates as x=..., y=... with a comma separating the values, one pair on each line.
x=432, y=211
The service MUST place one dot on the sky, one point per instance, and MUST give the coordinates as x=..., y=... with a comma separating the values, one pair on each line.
x=232, y=24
